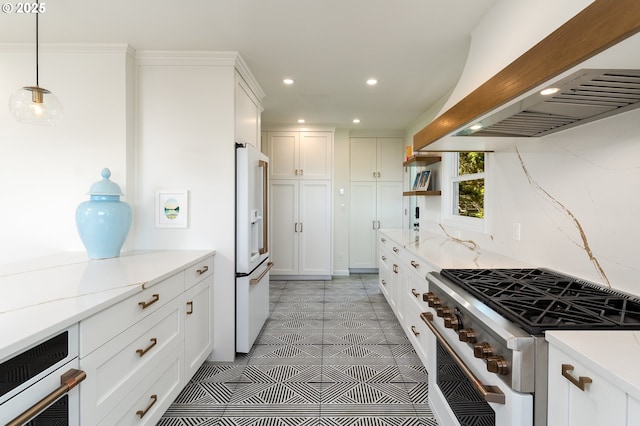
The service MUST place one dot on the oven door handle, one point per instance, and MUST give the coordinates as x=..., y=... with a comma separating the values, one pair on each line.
x=68, y=381
x=489, y=393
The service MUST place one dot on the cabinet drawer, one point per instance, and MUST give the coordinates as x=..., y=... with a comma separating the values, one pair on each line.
x=417, y=332
x=105, y=325
x=417, y=286
x=151, y=398
x=118, y=366
x=198, y=272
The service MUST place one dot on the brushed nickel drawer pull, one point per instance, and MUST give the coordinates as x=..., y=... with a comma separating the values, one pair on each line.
x=415, y=293
x=190, y=305
x=415, y=331
x=395, y=268
x=414, y=264
x=142, y=352
x=395, y=249
x=384, y=258
x=204, y=269
x=489, y=393
x=580, y=382
x=68, y=380
x=141, y=413
x=145, y=305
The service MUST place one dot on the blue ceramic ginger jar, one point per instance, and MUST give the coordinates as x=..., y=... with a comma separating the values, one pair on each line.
x=103, y=222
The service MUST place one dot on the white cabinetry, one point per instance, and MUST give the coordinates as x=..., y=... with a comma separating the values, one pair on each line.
x=578, y=396
x=140, y=352
x=248, y=112
x=300, y=203
x=376, y=196
x=300, y=155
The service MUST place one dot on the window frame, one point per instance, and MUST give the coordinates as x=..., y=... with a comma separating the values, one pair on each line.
x=450, y=200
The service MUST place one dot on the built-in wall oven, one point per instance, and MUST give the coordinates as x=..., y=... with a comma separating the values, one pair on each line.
x=489, y=360
x=38, y=386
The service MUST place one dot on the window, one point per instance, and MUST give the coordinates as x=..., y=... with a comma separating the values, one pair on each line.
x=464, y=191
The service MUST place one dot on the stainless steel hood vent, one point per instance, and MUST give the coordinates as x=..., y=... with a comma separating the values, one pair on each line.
x=584, y=96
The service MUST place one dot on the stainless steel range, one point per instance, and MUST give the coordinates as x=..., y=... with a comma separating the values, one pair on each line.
x=490, y=357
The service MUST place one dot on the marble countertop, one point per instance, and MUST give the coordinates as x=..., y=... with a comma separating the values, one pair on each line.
x=43, y=296
x=613, y=355
x=448, y=252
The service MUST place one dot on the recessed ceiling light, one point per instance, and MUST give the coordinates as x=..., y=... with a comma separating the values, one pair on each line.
x=372, y=82
x=356, y=120
x=288, y=81
x=301, y=120
x=549, y=91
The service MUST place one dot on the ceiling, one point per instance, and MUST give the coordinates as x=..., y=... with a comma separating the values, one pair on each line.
x=415, y=48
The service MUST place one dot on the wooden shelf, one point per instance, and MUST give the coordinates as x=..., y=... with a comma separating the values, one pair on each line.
x=421, y=160
x=411, y=193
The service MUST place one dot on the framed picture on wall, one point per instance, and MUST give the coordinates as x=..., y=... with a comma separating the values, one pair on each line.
x=172, y=209
x=423, y=182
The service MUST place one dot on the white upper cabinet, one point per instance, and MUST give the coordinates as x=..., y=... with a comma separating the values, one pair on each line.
x=300, y=155
x=248, y=112
x=374, y=159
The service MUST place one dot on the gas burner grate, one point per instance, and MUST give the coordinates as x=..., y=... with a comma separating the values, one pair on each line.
x=539, y=300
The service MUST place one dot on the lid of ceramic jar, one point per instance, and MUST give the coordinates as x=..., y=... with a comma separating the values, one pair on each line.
x=105, y=186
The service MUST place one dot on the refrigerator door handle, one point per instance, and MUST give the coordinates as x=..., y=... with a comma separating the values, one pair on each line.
x=254, y=281
x=265, y=206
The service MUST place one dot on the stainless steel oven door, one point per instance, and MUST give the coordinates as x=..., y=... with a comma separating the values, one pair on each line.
x=461, y=390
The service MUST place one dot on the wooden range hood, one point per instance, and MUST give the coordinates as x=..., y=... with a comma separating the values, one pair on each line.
x=599, y=26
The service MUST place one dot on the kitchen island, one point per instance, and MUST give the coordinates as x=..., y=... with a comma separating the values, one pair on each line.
x=109, y=308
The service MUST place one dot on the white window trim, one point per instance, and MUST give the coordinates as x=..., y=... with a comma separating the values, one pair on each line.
x=449, y=204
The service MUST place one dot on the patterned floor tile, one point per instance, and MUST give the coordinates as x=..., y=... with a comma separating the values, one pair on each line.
x=332, y=353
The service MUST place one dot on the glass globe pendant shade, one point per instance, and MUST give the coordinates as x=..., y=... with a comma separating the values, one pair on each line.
x=35, y=105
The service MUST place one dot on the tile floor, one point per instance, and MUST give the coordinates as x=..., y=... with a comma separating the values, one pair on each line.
x=331, y=354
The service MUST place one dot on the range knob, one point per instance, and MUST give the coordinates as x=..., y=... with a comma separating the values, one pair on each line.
x=482, y=350
x=498, y=364
x=467, y=335
x=427, y=297
x=452, y=322
x=434, y=302
x=443, y=311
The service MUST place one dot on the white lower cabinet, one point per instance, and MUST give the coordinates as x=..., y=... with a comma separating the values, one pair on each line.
x=139, y=353
x=578, y=396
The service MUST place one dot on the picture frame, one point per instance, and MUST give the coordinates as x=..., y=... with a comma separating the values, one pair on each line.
x=172, y=209
x=423, y=182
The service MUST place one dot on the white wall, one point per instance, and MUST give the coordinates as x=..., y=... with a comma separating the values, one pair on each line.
x=45, y=172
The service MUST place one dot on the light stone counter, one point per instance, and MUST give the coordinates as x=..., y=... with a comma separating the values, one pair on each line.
x=447, y=252
x=43, y=296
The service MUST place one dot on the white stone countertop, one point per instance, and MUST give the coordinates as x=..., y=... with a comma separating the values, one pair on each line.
x=43, y=296
x=445, y=252
x=614, y=355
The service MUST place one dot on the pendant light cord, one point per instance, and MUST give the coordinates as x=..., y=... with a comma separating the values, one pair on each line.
x=37, y=44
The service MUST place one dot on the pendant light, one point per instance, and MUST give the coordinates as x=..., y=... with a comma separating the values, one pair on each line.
x=35, y=104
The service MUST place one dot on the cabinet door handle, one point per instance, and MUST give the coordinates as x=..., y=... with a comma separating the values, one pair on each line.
x=378, y=174
x=374, y=174
x=190, y=305
x=300, y=226
x=395, y=268
x=295, y=227
x=202, y=270
x=415, y=331
x=415, y=293
x=141, y=413
x=373, y=225
x=142, y=352
x=154, y=299
x=384, y=258
x=580, y=382
x=414, y=264
x=395, y=249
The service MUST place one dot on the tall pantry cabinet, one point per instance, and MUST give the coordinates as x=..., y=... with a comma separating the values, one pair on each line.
x=376, y=196
x=301, y=168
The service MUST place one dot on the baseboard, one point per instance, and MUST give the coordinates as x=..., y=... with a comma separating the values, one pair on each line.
x=363, y=270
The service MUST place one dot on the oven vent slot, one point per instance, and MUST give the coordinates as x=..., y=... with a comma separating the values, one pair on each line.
x=584, y=96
